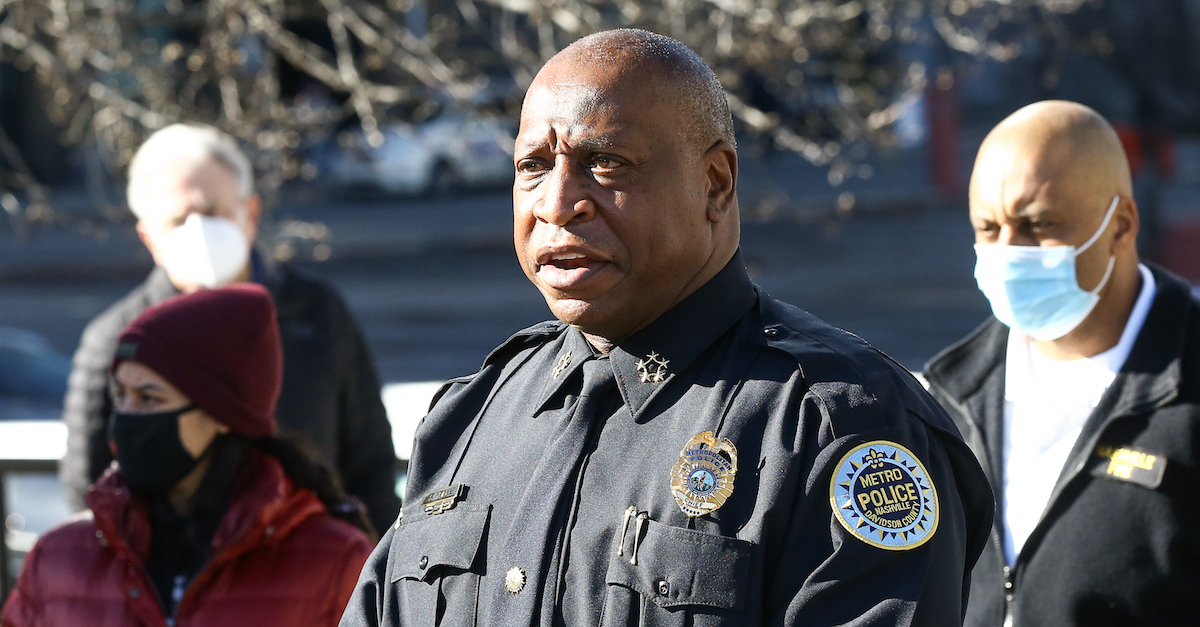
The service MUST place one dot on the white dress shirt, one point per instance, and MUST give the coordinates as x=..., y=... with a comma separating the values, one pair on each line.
x=1046, y=403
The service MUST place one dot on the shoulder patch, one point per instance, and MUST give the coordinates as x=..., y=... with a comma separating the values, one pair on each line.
x=881, y=493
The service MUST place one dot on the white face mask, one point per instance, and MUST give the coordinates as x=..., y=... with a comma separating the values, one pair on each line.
x=205, y=251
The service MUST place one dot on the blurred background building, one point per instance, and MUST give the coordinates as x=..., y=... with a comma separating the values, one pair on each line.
x=382, y=132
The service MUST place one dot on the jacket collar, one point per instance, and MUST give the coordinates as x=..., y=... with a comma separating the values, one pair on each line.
x=266, y=508
x=961, y=369
x=159, y=286
x=1152, y=375
x=650, y=359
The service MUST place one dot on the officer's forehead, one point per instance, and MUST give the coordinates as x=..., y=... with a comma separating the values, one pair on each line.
x=575, y=99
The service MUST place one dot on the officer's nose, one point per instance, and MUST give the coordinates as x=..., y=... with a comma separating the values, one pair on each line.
x=565, y=197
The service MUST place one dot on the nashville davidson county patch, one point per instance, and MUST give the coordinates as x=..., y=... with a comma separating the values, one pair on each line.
x=883, y=496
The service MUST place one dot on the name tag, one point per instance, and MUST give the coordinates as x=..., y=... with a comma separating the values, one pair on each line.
x=1126, y=463
x=443, y=499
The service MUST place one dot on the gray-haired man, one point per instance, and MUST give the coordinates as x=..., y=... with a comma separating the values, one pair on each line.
x=192, y=191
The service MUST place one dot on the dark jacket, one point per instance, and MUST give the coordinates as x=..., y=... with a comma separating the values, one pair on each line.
x=330, y=397
x=596, y=536
x=278, y=559
x=1119, y=542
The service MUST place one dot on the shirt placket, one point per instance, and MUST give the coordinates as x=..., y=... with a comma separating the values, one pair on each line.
x=530, y=546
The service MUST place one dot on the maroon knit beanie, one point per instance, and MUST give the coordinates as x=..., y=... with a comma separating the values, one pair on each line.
x=220, y=347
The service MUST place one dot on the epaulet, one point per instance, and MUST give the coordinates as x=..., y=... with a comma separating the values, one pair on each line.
x=535, y=335
x=847, y=371
x=822, y=351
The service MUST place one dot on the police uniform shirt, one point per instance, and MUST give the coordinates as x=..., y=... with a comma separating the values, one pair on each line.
x=541, y=489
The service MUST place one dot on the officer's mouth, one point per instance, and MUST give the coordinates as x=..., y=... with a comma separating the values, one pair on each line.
x=565, y=270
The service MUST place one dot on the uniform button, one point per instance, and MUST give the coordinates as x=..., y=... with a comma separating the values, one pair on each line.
x=1008, y=597
x=1007, y=570
x=270, y=531
x=771, y=332
x=514, y=580
x=133, y=593
x=663, y=587
x=1008, y=585
x=424, y=562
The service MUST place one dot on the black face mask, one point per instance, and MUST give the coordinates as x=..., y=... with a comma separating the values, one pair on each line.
x=149, y=451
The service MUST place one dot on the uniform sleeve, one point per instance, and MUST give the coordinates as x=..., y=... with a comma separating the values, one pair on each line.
x=834, y=573
x=365, y=608
x=366, y=458
x=85, y=411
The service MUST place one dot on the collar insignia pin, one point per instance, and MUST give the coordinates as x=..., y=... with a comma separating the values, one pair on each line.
x=563, y=362
x=702, y=479
x=652, y=369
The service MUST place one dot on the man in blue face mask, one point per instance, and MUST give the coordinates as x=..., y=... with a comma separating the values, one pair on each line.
x=1080, y=397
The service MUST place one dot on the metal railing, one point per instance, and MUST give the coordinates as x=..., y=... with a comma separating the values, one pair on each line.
x=38, y=445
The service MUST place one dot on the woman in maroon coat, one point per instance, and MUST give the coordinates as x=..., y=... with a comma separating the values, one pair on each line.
x=206, y=519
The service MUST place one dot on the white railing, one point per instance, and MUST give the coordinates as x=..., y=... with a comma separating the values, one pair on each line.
x=38, y=445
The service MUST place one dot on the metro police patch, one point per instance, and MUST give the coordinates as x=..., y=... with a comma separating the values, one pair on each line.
x=882, y=495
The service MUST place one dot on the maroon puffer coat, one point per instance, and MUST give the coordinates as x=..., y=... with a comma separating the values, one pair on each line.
x=278, y=559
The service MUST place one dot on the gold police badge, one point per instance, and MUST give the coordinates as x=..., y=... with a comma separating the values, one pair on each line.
x=702, y=479
x=882, y=494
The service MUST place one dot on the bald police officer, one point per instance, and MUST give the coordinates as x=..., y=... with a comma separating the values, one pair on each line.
x=1082, y=395
x=678, y=447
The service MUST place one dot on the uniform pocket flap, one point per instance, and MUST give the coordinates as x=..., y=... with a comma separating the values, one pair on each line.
x=424, y=544
x=678, y=567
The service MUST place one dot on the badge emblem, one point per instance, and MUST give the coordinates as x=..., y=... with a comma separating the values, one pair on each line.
x=1126, y=463
x=652, y=369
x=514, y=580
x=702, y=479
x=563, y=362
x=883, y=496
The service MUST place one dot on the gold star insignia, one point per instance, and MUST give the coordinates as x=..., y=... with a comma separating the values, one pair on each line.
x=652, y=369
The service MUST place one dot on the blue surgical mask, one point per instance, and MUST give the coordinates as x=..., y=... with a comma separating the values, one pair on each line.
x=1034, y=289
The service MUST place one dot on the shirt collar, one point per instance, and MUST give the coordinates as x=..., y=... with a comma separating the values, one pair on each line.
x=648, y=361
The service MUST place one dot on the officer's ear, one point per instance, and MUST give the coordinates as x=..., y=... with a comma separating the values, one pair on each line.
x=721, y=170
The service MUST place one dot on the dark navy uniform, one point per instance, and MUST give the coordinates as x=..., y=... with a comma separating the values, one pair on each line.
x=553, y=486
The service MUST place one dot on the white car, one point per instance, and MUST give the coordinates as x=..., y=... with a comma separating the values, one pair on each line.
x=456, y=149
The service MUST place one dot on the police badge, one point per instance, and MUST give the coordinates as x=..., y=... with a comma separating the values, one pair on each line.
x=702, y=479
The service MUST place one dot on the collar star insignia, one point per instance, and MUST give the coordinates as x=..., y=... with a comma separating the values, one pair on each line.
x=652, y=369
x=563, y=362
